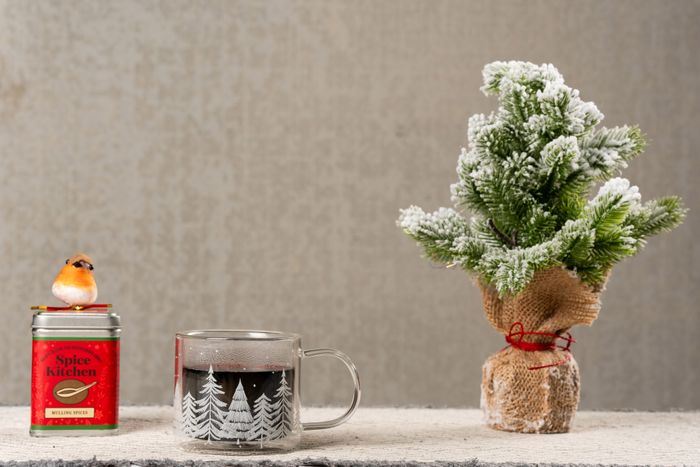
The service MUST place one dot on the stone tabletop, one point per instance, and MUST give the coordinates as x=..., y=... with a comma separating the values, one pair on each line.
x=396, y=436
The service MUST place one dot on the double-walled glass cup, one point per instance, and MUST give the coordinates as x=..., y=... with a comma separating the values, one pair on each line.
x=238, y=390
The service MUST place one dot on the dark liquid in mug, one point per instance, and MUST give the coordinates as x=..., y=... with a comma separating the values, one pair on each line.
x=237, y=404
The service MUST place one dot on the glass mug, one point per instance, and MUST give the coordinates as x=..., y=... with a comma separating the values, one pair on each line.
x=238, y=390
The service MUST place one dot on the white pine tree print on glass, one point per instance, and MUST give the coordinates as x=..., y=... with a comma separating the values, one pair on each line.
x=210, y=410
x=238, y=421
x=283, y=409
x=188, y=415
x=253, y=406
x=263, y=419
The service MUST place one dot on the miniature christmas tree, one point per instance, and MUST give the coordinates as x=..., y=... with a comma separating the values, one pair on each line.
x=238, y=420
x=540, y=249
x=526, y=175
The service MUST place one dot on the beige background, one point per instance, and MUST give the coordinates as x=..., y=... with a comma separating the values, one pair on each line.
x=241, y=164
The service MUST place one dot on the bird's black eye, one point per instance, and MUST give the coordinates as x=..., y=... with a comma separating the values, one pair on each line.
x=77, y=264
x=90, y=267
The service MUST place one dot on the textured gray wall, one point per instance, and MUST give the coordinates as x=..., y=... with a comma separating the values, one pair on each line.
x=241, y=164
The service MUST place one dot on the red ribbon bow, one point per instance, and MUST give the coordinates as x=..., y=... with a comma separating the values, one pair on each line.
x=515, y=339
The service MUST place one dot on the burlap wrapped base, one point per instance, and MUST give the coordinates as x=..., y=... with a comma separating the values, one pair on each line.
x=515, y=397
x=529, y=401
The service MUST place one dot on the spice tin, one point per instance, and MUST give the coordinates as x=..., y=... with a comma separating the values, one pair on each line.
x=75, y=373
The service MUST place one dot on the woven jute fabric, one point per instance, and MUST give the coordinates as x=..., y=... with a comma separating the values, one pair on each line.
x=515, y=397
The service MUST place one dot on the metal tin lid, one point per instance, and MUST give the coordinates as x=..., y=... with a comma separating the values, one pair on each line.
x=75, y=320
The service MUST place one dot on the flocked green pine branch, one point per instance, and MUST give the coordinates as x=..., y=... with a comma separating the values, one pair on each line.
x=526, y=176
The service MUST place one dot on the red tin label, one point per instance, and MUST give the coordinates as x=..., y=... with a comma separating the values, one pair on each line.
x=75, y=383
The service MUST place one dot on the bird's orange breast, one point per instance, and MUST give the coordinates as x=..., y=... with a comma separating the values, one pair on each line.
x=75, y=277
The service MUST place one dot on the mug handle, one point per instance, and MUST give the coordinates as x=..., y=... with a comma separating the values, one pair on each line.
x=356, y=394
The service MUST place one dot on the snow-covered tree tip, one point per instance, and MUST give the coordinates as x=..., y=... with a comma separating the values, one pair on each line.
x=526, y=176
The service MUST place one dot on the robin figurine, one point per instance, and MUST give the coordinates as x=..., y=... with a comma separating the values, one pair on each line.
x=74, y=284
